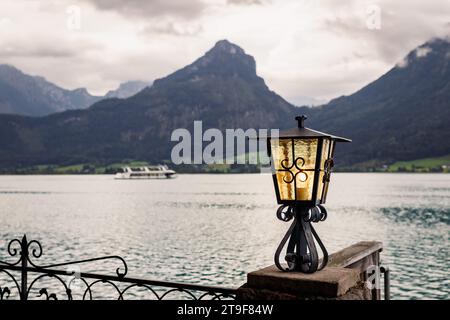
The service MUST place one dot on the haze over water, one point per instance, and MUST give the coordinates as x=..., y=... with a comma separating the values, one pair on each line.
x=213, y=229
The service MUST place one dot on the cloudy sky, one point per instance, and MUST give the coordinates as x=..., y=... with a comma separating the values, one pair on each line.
x=313, y=48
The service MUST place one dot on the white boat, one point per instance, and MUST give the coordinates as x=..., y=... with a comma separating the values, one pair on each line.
x=148, y=172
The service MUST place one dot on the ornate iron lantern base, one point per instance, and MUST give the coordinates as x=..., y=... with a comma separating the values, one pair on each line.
x=301, y=252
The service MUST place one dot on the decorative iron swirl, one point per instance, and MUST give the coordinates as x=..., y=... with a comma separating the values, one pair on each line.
x=6, y=289
x=43, y=291
x=52, y=296
x=285, y=213
x=119, y=273
x=288, y=169
x=23, y=245
x=33, y=249
x=301, y=234
x=13, y=251
x=316, y=214
x=87, y=294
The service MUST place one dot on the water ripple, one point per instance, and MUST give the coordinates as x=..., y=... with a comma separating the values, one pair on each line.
x=214, y=229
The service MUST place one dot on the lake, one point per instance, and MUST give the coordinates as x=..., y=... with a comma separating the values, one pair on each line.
x=214, y=229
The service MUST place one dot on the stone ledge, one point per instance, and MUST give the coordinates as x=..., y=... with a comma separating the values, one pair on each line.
x=331, y=282
x=355, y=253
x=359, y=292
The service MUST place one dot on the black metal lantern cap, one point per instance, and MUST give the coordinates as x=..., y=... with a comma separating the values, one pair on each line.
x=302, y=160
x=302, y=132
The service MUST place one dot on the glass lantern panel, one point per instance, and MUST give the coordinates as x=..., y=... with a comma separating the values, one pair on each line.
x=321, y=185
x=294, y=178
x=282, y=160
x=304, y=184
x=285, y=184
x=281, y=153
x=305, y=152
x=324, y=156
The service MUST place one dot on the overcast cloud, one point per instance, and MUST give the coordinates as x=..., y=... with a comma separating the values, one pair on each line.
x=152, y=8
x=314, y=48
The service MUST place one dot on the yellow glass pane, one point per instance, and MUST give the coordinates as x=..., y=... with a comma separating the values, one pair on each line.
x=320, y=187
x=285, y=187
x=304, y=185
x=281, y=153
x=305, y=151
x=292, y=183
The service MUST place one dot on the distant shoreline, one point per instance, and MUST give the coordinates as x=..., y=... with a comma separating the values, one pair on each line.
x=209, y=173
x=427, y=165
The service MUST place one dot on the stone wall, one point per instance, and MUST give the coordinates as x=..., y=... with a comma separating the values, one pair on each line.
x=344, y=278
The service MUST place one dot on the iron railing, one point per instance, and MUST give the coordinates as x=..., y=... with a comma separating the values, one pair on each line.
x=25, y=277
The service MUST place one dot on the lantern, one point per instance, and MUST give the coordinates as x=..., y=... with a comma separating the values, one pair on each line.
x=302, y=160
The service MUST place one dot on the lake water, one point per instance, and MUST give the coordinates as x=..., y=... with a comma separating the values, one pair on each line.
x=213, y=229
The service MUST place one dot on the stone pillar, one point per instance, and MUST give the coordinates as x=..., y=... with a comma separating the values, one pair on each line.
x=343, y=278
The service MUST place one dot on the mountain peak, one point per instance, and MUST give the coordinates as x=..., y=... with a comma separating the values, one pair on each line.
x=435, y=51
x=225, y=46
x=224, y=60
x=225, y=51
x=128, y=89
x=227, y=56
x=81, y=91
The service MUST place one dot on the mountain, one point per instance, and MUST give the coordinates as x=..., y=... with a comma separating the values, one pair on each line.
x=220, y=88
x=32, y=95
x=128, y=89
x=403, y=115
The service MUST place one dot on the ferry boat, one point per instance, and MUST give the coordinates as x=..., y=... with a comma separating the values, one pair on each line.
x=148, y=172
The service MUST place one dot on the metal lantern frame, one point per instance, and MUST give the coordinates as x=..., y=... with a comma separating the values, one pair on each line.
x=301, y=252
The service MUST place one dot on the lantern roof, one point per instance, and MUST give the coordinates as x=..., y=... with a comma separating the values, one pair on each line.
x=302, y=132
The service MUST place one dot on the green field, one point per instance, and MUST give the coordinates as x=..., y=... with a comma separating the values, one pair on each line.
x=90, y=168
x=82, y=168
x=441, y=164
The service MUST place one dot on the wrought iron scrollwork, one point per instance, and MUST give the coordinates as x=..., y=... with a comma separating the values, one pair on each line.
x=298, y=164
x=4, y=292
x=301, y=237
x=43, y=292
x=35, y=248
x=27, y=251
